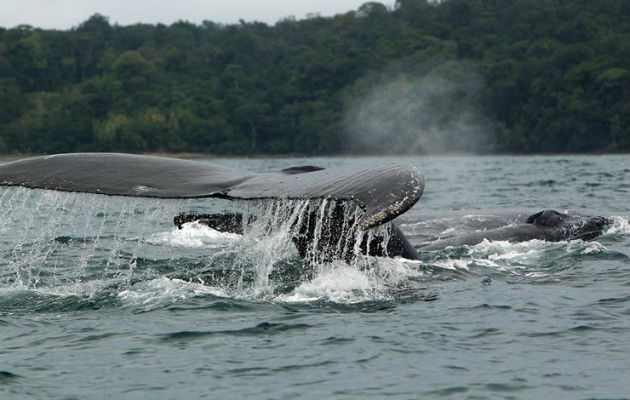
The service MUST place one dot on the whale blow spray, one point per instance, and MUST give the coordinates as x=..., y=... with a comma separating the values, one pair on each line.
x=436, y=108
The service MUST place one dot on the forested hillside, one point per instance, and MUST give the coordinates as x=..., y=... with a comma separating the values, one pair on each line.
x=455, y=75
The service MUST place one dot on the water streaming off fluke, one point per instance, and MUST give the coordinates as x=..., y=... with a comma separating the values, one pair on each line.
x=84, y=244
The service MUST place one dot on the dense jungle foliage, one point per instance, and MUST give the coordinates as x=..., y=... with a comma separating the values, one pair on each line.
x=423, y=76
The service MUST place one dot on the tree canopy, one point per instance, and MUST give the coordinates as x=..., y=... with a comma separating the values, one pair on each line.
x=422, y=76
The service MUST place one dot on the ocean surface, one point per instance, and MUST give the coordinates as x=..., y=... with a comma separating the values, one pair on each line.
x=102, y=297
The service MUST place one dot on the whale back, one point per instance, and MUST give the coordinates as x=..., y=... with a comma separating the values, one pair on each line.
x=547, y=218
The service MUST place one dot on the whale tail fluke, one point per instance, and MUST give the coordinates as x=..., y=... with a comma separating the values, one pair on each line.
x=375, y=194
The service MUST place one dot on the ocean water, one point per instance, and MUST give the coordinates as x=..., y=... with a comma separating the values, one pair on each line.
x=102, y=297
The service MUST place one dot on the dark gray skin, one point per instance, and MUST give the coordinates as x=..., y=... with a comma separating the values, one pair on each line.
x=398, y=245
x=226, y=222
x=547, y=225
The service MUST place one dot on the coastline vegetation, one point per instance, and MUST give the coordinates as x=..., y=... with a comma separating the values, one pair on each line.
x=549, y=76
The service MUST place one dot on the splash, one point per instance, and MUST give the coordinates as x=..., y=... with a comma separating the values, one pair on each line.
x=339, y=282
x=318, y=233
x=534, y=260
x=57, y=238
x=163, y=291
x=620, y=226
x=321, y=230
x=83, y=246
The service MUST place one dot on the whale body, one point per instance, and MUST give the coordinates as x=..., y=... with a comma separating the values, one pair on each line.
x=547, y=225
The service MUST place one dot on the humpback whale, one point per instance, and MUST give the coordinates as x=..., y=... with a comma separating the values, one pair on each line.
x=379, y=193
x=547, y=225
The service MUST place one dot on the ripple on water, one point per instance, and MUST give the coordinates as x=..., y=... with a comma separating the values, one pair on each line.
x=262, y=329
x=6, y=377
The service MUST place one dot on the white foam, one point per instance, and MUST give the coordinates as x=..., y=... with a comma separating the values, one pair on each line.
x=501, y=247
x=398, y=269
x=486, y=263
x=85, y=289
x=157, y=292
x=620, y=225
x=447, y=231
x=339, y=283
x=453, y=264
x=476, y=217
x=193, y=234
x=502, y=256
x=516, y=258
x=582, y=247
x=342, y=283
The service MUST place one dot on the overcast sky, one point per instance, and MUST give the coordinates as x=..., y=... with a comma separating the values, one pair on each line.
x=64, y=14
